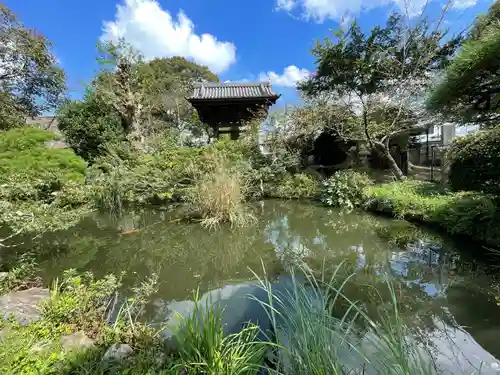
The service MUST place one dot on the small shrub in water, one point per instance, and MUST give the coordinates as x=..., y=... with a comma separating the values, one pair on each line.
x=219, y=197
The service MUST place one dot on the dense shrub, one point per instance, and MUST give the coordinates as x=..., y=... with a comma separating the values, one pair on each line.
x=41, y=188
x=345, y=189
x=475, y=162
x=23, y=152
x=465, y=213
x=89, y=126
x=293, y=186
x=29, y=169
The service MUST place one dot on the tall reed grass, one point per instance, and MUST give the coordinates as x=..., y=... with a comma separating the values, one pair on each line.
x=218, y=195
x=315, y=340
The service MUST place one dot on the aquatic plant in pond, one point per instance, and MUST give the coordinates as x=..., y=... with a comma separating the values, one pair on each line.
x=219, y=196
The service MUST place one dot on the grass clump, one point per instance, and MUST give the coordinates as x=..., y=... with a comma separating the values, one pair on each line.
x=320, y=330
x=206, y=349
x=218, y=196
x=462, y=213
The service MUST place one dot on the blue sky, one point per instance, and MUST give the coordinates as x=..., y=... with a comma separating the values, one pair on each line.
x=237, y=39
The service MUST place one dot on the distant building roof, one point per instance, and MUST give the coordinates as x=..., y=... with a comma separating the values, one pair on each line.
x=232, y=90
x=44, y=122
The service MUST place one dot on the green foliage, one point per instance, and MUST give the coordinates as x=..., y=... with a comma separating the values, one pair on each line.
x=89, y=126
x=475, y=162
x=30, y=80
x=205, y=349
x=469, y=88
x=80, y=301
x=402, y=233
x=293, y=186
x=355, y=61
x=41, y=188
x=464, y=213
x=23, y=152
x=21, y=275
x=345, y=189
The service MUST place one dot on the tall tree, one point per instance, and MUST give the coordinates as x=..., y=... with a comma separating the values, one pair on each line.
x=173, y=80
x=30, y=80
x=470, y=87
x=147, y=95
x=379, y=76
x=125, y=86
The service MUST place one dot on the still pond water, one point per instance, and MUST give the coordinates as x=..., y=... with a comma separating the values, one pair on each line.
x=439, y=286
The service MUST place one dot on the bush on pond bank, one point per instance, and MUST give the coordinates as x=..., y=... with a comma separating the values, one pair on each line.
x=475, y=162
x=463, y=213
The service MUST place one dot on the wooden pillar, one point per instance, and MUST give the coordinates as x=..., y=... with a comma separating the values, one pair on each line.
x=235, y=132
x=216, y=131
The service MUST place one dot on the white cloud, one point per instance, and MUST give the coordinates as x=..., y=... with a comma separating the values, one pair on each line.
x=319, y=10
x=291, y=75
x=463, y=4
x=287, y=5
x=155, y=33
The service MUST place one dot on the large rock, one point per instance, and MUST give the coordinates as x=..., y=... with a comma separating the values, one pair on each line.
x=23, y=305
x=76, y=341
x=118, y=352
x=239, y=304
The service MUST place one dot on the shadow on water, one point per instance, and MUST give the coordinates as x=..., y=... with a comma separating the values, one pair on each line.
x=440, y=289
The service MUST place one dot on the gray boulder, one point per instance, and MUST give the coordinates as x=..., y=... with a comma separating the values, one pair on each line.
x=118, y=352
x=240, y=304
x=76, y=341
x=23, y=305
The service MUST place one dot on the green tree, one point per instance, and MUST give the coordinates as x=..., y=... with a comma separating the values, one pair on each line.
x=379, y=77
x=470, y=87
x=30, y=80
x=89, y=125
x=173, y=80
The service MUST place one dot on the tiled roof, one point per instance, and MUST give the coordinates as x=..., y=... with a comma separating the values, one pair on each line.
x=232, y=91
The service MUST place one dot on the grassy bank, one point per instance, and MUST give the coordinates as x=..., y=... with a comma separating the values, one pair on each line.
x=470, y=214
x=315, y=325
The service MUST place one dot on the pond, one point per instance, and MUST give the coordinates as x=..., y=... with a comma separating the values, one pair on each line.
x=440, y=288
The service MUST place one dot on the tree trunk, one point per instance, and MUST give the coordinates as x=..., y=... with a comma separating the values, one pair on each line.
x=383, y=149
